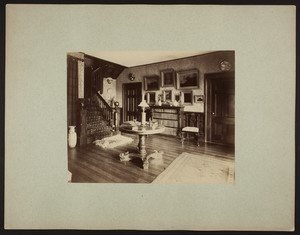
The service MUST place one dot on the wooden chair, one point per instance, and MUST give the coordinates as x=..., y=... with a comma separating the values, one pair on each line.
x=193, y=123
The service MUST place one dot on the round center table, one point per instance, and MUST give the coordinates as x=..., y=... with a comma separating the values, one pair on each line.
x=142, y=131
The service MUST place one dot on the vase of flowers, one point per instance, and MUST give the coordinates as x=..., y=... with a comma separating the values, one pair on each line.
x=159, y=101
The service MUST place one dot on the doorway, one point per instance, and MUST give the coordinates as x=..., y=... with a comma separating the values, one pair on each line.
x=132, y=96
x=220, y=108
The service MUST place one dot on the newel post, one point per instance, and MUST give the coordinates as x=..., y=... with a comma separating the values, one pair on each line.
x=116, y=113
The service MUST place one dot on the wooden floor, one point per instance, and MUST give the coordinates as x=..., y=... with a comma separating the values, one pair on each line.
x=92, y=164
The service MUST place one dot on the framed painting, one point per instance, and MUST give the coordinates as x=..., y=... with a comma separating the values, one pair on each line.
x=151, y=83
x=167, y=78
x=199, y=98
x=187, y=97
x=151, y=98
x=168, y=95
x=188, y=79
x=177, y=97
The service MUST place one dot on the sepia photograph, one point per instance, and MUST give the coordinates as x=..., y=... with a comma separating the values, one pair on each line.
x=149, y=117
x=118, y=133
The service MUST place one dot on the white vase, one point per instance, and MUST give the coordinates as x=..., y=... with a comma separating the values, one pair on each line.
x=72, y=137
x=159, y=103
x=175, y=103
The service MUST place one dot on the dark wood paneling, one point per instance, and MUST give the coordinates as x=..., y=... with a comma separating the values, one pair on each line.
x=109, y=69
x=72, y=89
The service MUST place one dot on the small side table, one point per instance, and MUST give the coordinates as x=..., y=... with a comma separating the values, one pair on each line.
x=142, y=131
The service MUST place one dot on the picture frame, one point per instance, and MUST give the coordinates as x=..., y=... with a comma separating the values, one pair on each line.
x=151, y=83
x=198, y=98
x=188, y=79
x=177, y=97
x=168, y=95
x=160, y=97
x=151, y=98
x=188, y=97
x=167, y=77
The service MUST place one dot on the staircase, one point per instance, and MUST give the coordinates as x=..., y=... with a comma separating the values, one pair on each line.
x=97, y=119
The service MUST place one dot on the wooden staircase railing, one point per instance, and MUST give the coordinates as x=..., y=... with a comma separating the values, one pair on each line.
x=111, y=114
x=97, y=119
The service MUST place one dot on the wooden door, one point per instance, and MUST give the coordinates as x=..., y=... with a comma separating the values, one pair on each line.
x=220, y=108
x=132, y=96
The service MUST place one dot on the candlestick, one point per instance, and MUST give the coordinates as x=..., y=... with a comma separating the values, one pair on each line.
x=143, y=118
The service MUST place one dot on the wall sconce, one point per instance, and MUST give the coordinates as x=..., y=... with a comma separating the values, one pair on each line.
x=131, y=76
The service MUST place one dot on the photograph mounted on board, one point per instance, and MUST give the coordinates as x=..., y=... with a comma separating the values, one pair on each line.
x=132, y=118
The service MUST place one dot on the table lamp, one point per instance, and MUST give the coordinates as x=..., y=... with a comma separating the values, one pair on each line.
x=143, y=105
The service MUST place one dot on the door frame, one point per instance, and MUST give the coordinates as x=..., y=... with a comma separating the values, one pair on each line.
x=208, y=77
x=123, y=95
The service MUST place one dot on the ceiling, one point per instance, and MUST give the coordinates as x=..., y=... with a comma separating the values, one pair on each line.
x=135, y=58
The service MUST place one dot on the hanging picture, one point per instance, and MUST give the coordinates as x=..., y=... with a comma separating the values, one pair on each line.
x=167, y=78
x=188, y=97
x=188, y=79
x=177, y=97
x=168, y=95
x=199, y=98
x=151, y=98
x=151, y=83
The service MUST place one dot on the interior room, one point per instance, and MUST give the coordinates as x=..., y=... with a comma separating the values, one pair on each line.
x=151, y=117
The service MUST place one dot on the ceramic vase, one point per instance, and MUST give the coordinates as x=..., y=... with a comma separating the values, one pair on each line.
x=72, y=137
x=175, y=103
x=159, y=103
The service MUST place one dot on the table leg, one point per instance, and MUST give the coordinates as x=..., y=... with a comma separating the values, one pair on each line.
x=142, y=150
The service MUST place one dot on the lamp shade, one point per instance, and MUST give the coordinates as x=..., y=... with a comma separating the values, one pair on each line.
x=143, y=104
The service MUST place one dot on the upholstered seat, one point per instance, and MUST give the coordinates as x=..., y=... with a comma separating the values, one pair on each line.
x=190, y=129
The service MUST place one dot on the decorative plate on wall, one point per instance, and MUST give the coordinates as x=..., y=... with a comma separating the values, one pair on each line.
x=225, y=65
x=131, y=76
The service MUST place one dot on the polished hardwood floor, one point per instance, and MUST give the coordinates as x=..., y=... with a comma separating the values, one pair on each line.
x=92, y=164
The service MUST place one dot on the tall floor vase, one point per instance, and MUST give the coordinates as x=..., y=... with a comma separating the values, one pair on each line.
x=72, y=137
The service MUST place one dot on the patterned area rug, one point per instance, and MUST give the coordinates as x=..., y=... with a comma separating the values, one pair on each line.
x=113, y=141
x=190, y=168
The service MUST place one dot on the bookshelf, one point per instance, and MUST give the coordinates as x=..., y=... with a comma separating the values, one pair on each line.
x=169, y=116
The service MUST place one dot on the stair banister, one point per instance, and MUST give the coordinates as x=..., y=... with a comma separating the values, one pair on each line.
x=112, y=114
